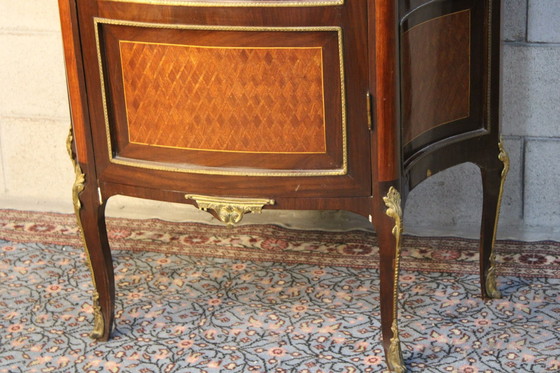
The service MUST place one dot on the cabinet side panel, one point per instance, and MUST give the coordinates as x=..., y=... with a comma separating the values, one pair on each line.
x=435, y=73
x=443, y=71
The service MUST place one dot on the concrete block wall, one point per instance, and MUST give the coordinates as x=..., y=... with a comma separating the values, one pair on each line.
x=35, y=172
x=34, y=116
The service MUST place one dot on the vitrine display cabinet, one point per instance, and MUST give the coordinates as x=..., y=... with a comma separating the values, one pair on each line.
x=235, y=106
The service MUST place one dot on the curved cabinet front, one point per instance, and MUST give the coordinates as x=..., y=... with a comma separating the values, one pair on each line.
x=187, y=92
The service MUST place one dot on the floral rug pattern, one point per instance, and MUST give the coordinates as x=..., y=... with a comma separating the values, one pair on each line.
x=202, y=298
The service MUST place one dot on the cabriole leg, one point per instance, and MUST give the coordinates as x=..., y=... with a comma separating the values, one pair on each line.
x=492, y=185
x=90, y=216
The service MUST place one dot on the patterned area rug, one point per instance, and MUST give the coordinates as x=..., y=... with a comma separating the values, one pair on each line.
x=262, y=298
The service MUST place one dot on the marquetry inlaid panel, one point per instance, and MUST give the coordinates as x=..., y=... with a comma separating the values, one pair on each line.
x=236, y=99
x=436, y=73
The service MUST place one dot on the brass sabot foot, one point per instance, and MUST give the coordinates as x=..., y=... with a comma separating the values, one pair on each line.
x=491, y=287
x=98, y=320
x=395, y=359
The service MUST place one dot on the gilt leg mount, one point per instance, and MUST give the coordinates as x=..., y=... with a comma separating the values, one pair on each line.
x=392, y=200
x=230, y=210
x=395, y=359
x=98, y=320
x=77, y=188
x=491, y=287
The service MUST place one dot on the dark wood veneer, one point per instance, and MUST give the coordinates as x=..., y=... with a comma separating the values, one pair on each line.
x=397, y=109
x=436, y=86
x=443, y=94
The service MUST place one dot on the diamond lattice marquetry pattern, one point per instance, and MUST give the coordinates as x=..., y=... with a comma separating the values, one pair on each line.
x=224, y=99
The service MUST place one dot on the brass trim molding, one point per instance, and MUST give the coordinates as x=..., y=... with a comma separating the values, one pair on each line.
x=490, y=283
x=394, y=210
x=221, y=171
x=230, y=210
x=77, y=188
x=244, y=4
